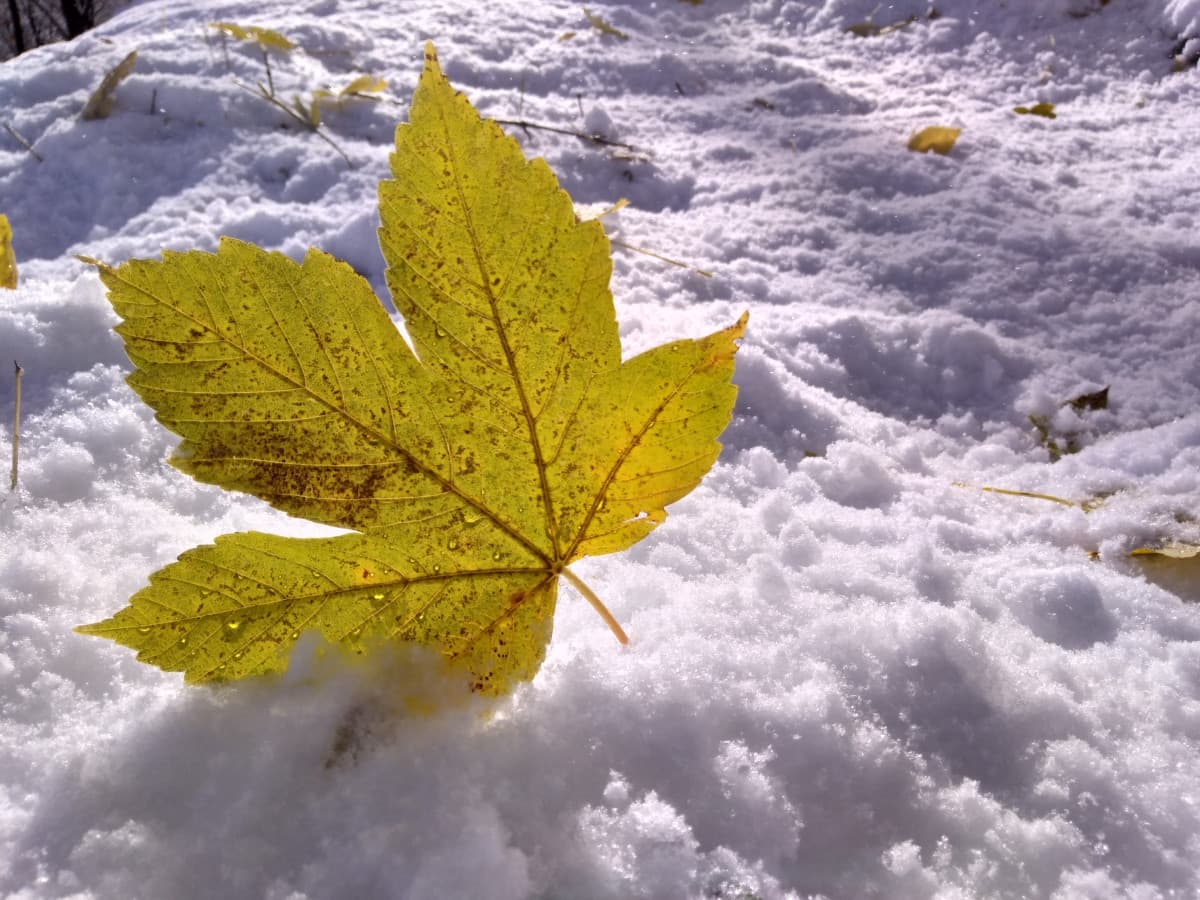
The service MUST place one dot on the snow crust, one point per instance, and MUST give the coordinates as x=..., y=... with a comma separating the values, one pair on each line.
x=853, y=672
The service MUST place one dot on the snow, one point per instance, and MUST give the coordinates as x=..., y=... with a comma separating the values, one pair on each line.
x=853, y=672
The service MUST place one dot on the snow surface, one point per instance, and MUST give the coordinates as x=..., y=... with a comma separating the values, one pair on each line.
x=851, y=676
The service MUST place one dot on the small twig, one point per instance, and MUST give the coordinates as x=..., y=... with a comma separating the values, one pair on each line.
x=154, y=102
x=660, y=257
x=20, y=139
x=579, y=100
x=272, y=99
x=16, y=426
x=582, y=135
x=1011, y=493
x=1031, y=494
x=267, y=63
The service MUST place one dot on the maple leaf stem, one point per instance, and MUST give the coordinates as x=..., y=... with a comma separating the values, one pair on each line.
x=597, y=605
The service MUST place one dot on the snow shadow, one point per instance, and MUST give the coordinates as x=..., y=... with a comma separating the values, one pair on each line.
x=775, y=410
x=919, y=367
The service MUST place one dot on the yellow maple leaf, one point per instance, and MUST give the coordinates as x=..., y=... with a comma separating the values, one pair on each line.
x=509, y=442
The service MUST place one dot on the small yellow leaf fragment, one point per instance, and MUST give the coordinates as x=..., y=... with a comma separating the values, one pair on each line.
x=311, y=112
x=360, y=88
x=1171, y=567
x=101, y=102
x=237, y=32
x=603, y=26
x=8, y=261
x=1045, y=110
x=364, y=84
x=264, y=37
x=938, y=138
x=1171, y=551
x=584, y=215
x=273, y=39
x=863, y=29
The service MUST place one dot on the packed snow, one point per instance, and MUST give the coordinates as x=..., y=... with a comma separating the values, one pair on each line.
x=853, y=671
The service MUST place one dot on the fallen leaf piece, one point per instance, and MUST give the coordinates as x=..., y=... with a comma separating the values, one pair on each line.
x=100, y=104
x=8, y=260
x=1170, y=550
x=363, y=85
x=1172, y=567
x=264, y=37
x=868, y=28
x=937, y=138
x=1057, y=445
x=1046, y=110
x=603, y=26
x=864, y=29
x=1096, y=400
x=310, y=113
x=612, y=210
x=510, y=441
